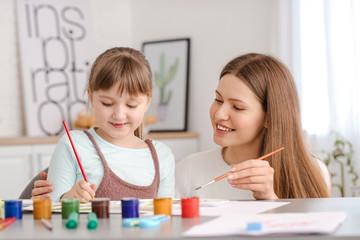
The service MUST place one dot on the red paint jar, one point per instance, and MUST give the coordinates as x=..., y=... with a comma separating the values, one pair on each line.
x=190, y=207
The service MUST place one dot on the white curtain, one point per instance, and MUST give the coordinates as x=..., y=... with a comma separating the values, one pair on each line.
x=327, y=53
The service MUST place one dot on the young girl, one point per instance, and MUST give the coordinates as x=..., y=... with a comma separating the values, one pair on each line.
x=256, y=111
x=117, y=162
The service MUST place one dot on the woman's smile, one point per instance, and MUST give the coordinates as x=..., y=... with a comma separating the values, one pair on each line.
x=221, y=129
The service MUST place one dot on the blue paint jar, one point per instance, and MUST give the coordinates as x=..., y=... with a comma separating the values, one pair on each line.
x=130, y=207
x=13, y=208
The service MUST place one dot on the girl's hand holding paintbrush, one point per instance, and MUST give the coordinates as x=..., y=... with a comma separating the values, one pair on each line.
x=81, y=190
x=255, y=175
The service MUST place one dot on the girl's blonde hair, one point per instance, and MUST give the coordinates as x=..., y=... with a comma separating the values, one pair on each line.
x=296, y=175
x=125, y=65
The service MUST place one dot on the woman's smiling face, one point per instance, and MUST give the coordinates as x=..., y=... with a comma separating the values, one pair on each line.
x=237, y=115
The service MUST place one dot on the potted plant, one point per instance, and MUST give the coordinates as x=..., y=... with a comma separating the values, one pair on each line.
x=340, y=165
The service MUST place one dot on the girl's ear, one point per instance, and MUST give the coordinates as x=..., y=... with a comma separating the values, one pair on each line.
x=90, y=96
x=149, y=101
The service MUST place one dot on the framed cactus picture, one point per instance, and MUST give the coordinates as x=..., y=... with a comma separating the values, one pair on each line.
x=169, y=62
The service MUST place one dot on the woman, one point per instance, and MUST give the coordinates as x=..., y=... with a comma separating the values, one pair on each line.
x=255, y=111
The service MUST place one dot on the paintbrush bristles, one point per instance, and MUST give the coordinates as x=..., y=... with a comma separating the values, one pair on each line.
x=212, y=181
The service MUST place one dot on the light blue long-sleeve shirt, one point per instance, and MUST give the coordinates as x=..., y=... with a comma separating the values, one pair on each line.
x=134, y=166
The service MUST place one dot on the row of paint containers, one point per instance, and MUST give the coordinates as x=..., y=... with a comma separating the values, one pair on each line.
x=100, y=206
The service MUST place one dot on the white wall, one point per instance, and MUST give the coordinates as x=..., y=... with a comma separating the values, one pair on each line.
x=112, y=23
x=219, y=30
x=11, y=123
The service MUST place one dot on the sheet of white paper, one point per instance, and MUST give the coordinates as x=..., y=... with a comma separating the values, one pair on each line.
x=233, y=207
x=271, y=224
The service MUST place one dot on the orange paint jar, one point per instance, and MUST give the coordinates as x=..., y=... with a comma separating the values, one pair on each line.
x=42, y=208
x=163, y=206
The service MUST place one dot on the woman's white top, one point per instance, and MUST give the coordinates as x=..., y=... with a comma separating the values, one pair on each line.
x=200, y=168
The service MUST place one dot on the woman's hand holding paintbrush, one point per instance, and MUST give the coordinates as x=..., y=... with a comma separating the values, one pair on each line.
x=254, y=174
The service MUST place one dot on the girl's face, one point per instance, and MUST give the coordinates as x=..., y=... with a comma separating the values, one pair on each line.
x=118, y=116
x=237, y=116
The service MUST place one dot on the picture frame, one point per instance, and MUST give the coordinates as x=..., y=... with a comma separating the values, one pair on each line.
x=169, y=61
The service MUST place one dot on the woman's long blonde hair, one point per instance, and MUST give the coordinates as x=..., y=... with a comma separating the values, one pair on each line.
x=296, y=175
x=125, y=65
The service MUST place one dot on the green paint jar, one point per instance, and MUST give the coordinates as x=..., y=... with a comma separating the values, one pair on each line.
x=68, y=206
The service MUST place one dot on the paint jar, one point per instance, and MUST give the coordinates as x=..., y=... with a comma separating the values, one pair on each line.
x=13, y=208
x=130, y=207
x=100, y=206
x=68, y=206
x=162, y=206
x=190, y=207
x=42, y=208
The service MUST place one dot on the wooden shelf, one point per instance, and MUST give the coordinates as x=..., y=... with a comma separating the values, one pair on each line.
x=28, y=140
x=55, y=139
x=169, y=135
